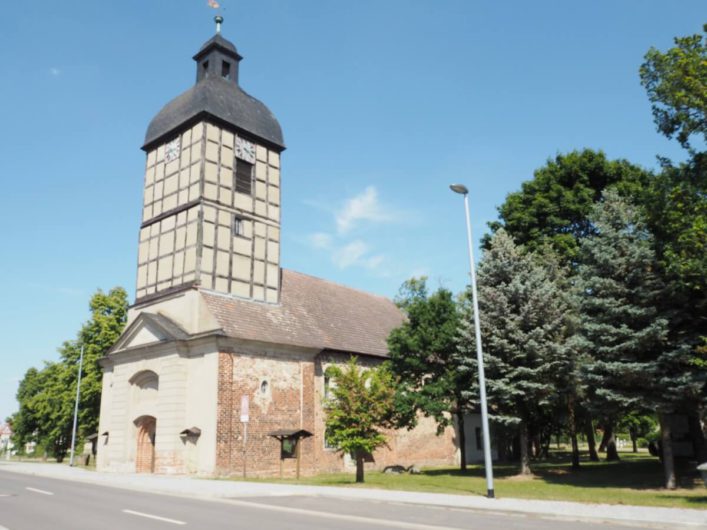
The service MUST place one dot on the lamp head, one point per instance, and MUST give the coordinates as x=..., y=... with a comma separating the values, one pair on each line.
x=459, y=188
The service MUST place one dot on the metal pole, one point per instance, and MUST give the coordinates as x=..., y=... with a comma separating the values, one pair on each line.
x=76, y=409
x=480, y=360
x=245, y=439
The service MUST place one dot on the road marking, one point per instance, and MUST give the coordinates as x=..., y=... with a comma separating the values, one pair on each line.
x=354, y=518
x=43, y=492
x=156, y=517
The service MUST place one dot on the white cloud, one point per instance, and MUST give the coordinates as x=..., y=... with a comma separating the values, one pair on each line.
x=345, y=251
x=374, y=262
x=349, y=254
x=320, y=240
x=357, y=254
x=362, y=207
x=54, y=71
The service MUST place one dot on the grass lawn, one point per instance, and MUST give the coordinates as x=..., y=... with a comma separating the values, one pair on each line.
x=636, y=479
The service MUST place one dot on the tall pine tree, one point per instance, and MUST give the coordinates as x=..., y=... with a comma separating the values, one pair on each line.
x=622, y=329
x=524, y=325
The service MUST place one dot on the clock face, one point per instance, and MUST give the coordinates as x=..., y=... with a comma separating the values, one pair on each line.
x=245, y=150
x=171, y=151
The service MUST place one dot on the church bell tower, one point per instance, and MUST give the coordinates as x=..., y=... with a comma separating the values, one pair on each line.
x=211, y=209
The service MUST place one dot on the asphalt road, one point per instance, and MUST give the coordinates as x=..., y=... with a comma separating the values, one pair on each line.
x=36, y=503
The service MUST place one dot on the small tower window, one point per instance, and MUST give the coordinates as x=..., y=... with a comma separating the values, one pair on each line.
x=264, y=387
x=244, y=176
x=238, y=226
x=205, y=68
x=226, y=70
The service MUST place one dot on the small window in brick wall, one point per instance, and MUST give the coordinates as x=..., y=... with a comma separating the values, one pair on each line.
x=244, y=176
x=328, y=385
x=264, y=387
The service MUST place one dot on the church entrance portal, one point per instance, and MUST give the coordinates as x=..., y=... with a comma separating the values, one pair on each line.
x=145, y=458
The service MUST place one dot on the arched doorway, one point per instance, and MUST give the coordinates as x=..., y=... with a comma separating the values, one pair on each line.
x=145, y=457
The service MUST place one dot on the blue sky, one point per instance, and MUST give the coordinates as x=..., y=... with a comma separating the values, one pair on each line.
x=382, y=103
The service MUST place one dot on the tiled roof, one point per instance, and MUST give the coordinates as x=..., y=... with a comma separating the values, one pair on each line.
x=313, y=313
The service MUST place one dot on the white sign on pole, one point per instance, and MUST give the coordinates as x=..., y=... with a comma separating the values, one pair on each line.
x=244, y=409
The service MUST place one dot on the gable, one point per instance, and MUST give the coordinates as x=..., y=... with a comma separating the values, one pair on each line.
x=149, y=328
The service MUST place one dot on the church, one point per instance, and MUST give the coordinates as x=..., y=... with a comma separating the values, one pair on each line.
x=221, y=367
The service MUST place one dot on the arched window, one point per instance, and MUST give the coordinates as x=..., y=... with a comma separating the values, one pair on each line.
x=145, y=385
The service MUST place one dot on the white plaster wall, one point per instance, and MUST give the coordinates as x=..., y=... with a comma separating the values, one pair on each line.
x=201, y=412
x=114, y=419
x=187, y=397
x=102, y=452
x=123, y=408
x=171, y=409
x=186, y=309
x=474, y=453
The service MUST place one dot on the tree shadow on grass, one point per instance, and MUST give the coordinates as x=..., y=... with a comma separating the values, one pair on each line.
x=631, y=472
x=699, y=502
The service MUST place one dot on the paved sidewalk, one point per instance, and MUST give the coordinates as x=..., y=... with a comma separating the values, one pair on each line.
x=643, y=516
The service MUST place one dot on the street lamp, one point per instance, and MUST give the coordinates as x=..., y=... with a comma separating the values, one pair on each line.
x=461, y=189
x=76, y=409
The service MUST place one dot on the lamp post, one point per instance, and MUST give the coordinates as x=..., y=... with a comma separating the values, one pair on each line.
x=461, y=189
x=76, y=409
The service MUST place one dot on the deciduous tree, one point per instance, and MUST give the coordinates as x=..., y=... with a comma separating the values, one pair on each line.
x=432, y=378
x=46, y=397
x=676, y=82
x=360, y=409
x=553, y=207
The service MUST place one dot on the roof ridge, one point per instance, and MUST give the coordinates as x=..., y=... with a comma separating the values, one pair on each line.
x=337, y=284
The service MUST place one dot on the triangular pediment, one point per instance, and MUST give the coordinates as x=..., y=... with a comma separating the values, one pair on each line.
x=147, y=329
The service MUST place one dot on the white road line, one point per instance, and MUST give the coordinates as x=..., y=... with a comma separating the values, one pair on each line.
x=43, y=492
x=156, y=517
x=343, y=517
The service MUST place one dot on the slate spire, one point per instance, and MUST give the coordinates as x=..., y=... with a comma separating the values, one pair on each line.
x=217, y=57
x=217, y=95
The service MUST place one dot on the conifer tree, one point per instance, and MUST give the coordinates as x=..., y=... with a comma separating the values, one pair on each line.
x=524, y=325
x=622, y=328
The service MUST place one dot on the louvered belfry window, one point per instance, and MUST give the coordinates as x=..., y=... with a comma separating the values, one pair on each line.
x=244, y=177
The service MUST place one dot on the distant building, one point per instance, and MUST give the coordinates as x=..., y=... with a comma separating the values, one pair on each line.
x=6, y=445
x=224, y=351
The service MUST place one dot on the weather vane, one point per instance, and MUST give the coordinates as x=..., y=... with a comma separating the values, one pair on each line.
x=218, y=18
